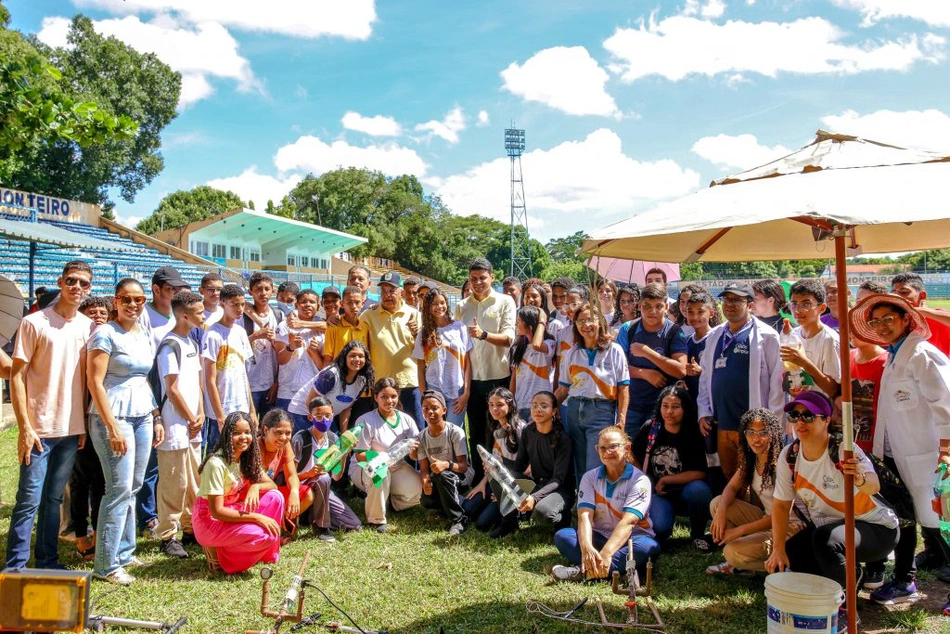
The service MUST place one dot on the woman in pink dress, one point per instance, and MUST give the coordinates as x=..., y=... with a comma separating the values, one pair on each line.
x=238, y=511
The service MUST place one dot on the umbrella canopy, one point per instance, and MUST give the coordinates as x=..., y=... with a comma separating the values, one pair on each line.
x=839, y=195
x=11, y=309
x=620, y=270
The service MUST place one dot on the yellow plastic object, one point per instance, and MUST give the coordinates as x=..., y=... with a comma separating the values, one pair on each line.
x=44, y=600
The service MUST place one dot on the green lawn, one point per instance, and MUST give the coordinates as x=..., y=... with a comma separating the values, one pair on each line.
x=416, y=579
x=939, y=303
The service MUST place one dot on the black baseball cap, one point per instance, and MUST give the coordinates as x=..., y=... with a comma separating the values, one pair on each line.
x=742, y=289
x=169, y=275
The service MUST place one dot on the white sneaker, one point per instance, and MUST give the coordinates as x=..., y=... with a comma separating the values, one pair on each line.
x=135, y=562
x=118, y=576
x=567, y=573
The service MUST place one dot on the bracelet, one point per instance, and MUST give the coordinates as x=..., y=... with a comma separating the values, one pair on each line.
x=864, y=480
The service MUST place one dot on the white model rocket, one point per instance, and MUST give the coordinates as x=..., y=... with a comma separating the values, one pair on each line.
x=514, y=492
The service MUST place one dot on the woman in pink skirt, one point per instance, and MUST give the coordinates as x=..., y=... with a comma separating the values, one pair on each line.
x=238, y=510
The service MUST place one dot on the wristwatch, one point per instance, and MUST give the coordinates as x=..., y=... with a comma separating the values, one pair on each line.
x=484, y=335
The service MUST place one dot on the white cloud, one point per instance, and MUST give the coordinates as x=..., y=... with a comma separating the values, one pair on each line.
x=483, y=119
x=129, y=221
x=448, y=128
x=310, y=154
x=373, y=126
x=352, y=19
x=198, y=52
x=933, y=12
x=250, y=185
x=679, y=46
x=742, y=152
x=575, y=185
x=565, y=78
x=711, y=9
x=921, y=129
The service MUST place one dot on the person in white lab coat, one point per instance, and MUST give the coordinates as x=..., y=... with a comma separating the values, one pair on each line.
x=912, y=428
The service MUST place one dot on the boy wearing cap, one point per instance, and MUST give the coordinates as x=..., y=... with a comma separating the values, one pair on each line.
x=818, y=357
x=741, y=370
x=157, y=317
x=393, y=326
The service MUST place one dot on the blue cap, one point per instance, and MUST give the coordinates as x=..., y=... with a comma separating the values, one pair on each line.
x=391, y=277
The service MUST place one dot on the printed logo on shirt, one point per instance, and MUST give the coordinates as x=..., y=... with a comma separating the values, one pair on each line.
x=901, y=396
x=741, y=348
x=580, y=493
x=828, y=483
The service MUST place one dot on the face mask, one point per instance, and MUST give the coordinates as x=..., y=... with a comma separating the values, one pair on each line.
x=321, y=424
x=285, y=308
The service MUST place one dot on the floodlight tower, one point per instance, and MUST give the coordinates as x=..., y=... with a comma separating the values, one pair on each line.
x=520, y=253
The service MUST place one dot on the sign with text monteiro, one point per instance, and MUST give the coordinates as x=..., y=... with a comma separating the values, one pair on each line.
x=48, y=207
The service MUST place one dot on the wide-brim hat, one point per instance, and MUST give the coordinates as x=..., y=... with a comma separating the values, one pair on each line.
x=861, y=313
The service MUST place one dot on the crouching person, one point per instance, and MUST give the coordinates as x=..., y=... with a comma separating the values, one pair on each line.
x=443, y=463
x=613, y=505
x=238, y=511
x=328, y=511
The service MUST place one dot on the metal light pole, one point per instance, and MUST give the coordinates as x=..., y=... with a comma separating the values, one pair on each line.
x=520, y=248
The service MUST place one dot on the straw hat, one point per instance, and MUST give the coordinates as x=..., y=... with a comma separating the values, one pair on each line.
x=860, y=314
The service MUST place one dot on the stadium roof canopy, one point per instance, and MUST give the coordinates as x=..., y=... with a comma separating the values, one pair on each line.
x=48, y=234
x=277, y=232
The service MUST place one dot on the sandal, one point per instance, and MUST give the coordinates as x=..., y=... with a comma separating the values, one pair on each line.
x=87, y=554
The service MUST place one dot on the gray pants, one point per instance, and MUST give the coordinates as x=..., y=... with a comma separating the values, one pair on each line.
x=329, y=511
x=553, y=510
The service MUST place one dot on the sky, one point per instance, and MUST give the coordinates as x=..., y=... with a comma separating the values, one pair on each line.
x=624, y=103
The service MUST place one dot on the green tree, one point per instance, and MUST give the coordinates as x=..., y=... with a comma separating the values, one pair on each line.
x=184, y=206
x=566, y=249
x=123, y=83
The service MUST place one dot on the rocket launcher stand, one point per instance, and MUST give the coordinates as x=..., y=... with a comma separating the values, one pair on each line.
x=293, y=598
x=633, y=590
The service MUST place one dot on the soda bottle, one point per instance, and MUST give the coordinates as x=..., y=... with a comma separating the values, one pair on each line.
x=792, y=340
x=941, y=501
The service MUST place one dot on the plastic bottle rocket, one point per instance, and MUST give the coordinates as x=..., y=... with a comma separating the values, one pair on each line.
x=377, y=464
x=514, y=492
x=331, y=458
x=794, y=375
x=941, y=501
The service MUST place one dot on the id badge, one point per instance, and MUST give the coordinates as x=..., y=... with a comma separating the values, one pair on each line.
x=720, y=363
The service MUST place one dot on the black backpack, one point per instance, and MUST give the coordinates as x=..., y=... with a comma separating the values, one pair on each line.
x=154, y=376
x=893, y=493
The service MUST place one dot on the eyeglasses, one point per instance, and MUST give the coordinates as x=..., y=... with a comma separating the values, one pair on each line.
x=886, y=321
x=806, y=417
x=125, y=300
x=762, y=433
x=72, y=281
x=734, y=301
x=611, y=447
x=803, y=306
x=592, y=321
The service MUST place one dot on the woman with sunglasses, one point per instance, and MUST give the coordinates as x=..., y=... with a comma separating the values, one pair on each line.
x=124, y=425
x=613, y=507
x=808, y=473
x=912, y=424
x=744, y=528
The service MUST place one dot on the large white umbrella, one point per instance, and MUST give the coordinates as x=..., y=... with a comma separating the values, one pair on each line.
x=840, y=194
x=11, y=309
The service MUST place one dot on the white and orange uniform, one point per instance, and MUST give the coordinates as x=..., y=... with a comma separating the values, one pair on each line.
x=631, y=493
x=445, y=364
x=594, y=374
x=534, y=374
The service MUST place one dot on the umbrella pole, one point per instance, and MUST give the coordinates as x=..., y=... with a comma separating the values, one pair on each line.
x=847, y=421
x=32, y=269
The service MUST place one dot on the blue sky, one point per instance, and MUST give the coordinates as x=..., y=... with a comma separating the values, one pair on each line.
x=624, y=103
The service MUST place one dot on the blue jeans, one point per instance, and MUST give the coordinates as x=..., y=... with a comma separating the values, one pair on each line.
x=411, y=401
x=40, y=494
x=644, y=548
x=587, y=417
x=636, y=419
x=261, y=406
x=692, y=500
x=124, y=475
x=209, y=436
x=301, y=422
x=145, y=505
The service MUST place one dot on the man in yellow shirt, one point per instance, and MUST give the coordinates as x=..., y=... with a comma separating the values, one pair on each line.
x=393, y=325
x=490, y=317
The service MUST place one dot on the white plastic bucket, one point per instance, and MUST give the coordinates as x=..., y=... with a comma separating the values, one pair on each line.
x=799, y=603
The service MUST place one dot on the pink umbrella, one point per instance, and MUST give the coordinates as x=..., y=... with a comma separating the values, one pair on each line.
x=619, y=270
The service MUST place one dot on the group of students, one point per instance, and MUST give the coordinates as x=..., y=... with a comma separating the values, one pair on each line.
x=630, y=407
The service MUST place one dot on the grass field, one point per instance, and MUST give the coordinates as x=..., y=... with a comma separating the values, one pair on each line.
x=416, y=579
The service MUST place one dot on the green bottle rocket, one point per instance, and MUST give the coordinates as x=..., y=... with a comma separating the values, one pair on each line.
x=942, y=501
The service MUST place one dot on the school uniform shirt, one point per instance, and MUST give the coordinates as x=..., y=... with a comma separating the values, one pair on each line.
x=694, y=351
x=188, y=372
x=822, y=350
x=446, y=446
x=913, y=416
x=445, y=363
x=53, y=349
x=594, y=373
x=865, y=385
x=299, y=440
x=643, y=394
x=230, y=351
x=551, y=468
x=338, y=335
x=563, y=341
x=732, y=366
x=329, y=383
x=495, y=314
x=500, y=447
x=300, y=369
x=630, y=493
x=534, y=374
x=262, y=366
x=391, y=343
x=156, y=323
x=379, y=435
x=671, y=453
x=820, y=486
